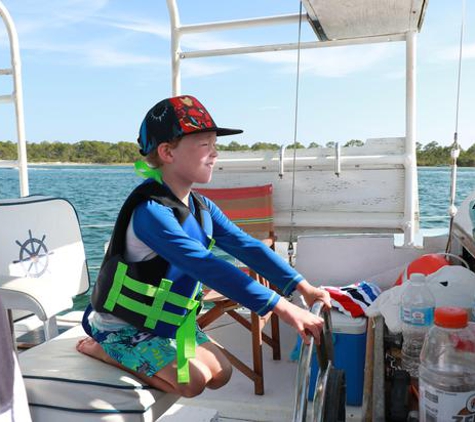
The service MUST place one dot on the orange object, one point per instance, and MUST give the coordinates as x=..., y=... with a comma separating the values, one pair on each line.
x=425, y=264
x=451, y=317
x=457, y=318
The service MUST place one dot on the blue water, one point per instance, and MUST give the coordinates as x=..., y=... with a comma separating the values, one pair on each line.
x=97, y=192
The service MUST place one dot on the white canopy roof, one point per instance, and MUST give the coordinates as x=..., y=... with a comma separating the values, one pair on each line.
x=340, y=19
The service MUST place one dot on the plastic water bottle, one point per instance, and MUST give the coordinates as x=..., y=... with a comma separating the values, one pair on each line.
x=417, y=315
x=447, y=371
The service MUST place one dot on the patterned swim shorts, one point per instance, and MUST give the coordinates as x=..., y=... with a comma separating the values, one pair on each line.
x=140, y=351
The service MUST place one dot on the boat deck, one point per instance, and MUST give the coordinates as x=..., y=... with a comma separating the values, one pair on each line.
x=236, y=401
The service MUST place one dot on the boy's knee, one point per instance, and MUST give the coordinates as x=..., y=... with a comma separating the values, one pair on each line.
x=222, y=378
x=191, y=389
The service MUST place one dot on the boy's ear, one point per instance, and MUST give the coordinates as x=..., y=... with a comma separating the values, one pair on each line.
x=164, y=151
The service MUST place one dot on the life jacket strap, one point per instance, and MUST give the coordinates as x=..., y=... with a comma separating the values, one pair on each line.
x=186, y=345
x=186, y=333
x=142, y=169
x=161, y=295
x=212, y=242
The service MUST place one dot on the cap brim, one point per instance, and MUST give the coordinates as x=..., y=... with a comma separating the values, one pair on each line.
x=223, y=131
x=220, y=131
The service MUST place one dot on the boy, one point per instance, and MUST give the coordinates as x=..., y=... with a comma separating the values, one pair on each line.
x=145, y=299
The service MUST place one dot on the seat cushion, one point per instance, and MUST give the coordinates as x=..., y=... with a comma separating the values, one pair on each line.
x=58, y=377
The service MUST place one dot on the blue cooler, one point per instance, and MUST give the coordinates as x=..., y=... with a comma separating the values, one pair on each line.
x=349, y=343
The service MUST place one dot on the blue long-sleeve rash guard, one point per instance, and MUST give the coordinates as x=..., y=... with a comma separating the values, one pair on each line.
x=156, y=226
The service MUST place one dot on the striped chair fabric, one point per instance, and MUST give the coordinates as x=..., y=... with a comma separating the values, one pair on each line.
x=250, y=208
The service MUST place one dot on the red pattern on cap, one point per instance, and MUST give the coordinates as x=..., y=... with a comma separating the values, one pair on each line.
x=191, y=114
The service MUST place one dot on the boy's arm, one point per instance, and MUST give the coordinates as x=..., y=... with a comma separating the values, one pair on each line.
x=252, y=252
x=156, y=226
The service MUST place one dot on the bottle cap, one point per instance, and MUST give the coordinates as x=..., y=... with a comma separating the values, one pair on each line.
x=450, y=317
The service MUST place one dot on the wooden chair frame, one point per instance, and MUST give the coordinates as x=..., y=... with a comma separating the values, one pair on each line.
x=251, y=209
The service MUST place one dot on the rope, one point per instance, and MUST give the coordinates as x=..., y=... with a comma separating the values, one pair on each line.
x=455, y=152
x=290, y=250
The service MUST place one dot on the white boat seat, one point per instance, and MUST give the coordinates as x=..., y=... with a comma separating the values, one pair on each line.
x=43, y=262
x=339, y=260
x=463, y=227
x=65, y=385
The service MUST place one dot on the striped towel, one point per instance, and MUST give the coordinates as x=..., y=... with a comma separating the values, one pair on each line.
x=353, y=299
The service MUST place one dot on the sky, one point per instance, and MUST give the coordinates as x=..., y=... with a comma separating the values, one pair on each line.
x=92, y=68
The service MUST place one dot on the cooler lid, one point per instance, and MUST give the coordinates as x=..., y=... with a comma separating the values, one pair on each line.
x=344, y=324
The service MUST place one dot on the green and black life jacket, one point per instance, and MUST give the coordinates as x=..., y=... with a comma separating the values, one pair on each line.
x=154, y=295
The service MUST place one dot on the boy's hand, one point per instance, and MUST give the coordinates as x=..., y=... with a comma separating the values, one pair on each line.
x=312, y=294
x=303, y=321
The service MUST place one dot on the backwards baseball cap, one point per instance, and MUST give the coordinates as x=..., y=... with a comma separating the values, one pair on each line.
x=176, y=117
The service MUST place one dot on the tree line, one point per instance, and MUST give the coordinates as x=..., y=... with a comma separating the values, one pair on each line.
x=100, y=152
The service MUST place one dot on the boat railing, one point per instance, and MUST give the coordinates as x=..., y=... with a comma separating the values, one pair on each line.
x=406, y=33
x=324, y=351
x=16, y=97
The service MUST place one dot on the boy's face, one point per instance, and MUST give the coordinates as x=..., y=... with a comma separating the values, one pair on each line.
x=195, y=157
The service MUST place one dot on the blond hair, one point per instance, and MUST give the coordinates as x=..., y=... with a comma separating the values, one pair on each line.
x=153, y=158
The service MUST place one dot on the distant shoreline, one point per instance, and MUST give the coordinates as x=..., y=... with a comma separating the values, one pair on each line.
x=13, y=164
x=56, y=163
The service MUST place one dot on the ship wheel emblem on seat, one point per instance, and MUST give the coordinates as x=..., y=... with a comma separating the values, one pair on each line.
x=33, y=255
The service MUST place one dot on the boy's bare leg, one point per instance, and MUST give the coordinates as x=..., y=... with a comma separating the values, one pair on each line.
x=209, y=368
x=90, y=347
x=220, y=367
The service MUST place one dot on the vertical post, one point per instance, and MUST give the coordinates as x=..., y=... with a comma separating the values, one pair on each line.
x=17, y=97
x=12, y=327
x=20, y=124
x=410, y=203
x=175, y=46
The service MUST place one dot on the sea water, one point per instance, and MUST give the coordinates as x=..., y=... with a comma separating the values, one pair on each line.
x=97, y=192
